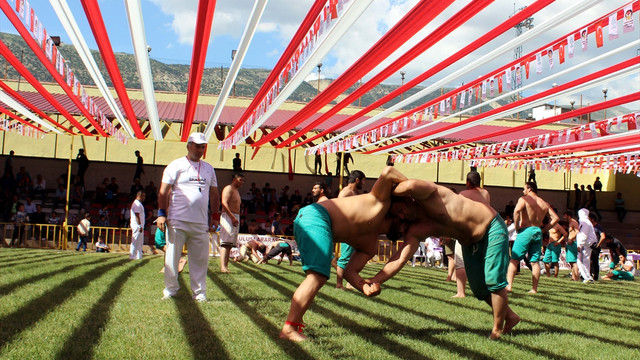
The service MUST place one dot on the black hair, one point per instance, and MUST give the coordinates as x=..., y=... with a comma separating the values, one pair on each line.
x=473, y=178
x=355, y=175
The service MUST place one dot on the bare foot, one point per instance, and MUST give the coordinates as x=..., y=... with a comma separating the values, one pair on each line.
x=459, y=296
x=495, y=334
x=448, y=278
x=162, y=270
x=349, y=287
x=181, y=264
x=225, y=271
x=291, y=333
x=508, y=288
x=533, y=291
x=510, y=322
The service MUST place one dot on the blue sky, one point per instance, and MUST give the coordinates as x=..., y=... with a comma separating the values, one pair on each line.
x=170, y=24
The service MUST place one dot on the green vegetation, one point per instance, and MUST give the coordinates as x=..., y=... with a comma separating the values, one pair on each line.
x=68, y=305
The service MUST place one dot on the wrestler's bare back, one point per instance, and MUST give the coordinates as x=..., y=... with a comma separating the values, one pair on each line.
x=358, y=220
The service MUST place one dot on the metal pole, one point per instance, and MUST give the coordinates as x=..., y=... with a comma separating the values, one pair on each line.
x=66, y=206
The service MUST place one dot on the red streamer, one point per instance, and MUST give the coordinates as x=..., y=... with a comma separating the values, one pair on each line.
x=286, y=56
x=584, y=79
x=416, y=19
x=14, y=94
x=11, y=59
x=200, y=43
x=505, y=26
x=442, y=31
x=37, y=50
x=94, y=16
x=17, y=118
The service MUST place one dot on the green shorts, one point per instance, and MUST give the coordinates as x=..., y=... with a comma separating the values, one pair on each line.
x=487, y=260
x=552, y=254
x=622, y=275
x=313, y=234
x=529, y=240
x=346, y=251
x=572, y=252
x=161, y=239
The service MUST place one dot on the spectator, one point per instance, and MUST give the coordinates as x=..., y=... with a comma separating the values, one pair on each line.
x=275, y=228
x=112, y=191
x=101, y=192
x=347, y=158
x=77, y=194
x=139, y=168
x=29, y=206
x=577, y=202
x=532, y=174
x=237, y=163
x=244, y=227
x=83, y=165
x=151, y=194
x=37, y=219
x=619, y=206
x=84, y=228
x=615, y=247
x=317, y=165
x=20, y=218
x=23, y=181
x=104, y=212
x=584, y=200
x=592, y=202
x=328, y=179
x=61, y=196
x=308, y=200
x=8, y=163
x=253, y=227
x=103, y=221
x=508, y=210
x=136, y=187
x=597, y=185
x=338, y=163
x=101, y=246
x=430, y=252
x=40, y=187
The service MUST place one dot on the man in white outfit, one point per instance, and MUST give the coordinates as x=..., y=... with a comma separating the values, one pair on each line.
x=188, y=191
x=137, y=227
x=586, y=236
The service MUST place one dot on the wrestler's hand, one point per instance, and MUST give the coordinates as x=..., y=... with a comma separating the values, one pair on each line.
x=371, y=289
x=213, y=225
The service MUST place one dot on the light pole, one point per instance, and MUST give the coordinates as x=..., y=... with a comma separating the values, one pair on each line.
x=605, y=91
x=572, y=102
x=402, y=83
x=233, y=56
x=319, y=67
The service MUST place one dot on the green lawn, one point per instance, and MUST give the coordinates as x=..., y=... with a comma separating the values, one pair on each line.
x=68, y=305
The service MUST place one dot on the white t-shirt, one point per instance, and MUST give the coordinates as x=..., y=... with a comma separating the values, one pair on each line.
x=190, y=182
x=137, y=207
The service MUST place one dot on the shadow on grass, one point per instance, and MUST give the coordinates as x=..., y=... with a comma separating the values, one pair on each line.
x=81, y=344
x=374, y=335
x=291, y=348
x=544, y=326
x=31, y=260
x=8, y=288
x=204, y=342
x=36, y=309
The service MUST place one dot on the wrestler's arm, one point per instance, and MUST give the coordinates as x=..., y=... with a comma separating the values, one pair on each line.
x=163, y=203
x=418, y=189
x=562, y=231
x=517, y=213
x=382, y=187
x=214, y=204
x=553, y=220
x=351, y=273
x=398, y=260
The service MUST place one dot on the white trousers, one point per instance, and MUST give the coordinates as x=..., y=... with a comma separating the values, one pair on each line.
x=196, y=236
x=584, y=262
x=137, y=241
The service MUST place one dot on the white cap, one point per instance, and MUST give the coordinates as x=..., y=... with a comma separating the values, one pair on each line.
x=197, y=138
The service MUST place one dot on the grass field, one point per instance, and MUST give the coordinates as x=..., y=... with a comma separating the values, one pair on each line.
x=68, y=305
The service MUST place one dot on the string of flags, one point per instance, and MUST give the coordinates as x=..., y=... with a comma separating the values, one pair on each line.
x=30, y=20
x=618, y=124
x=20, y=129
x=509, y=77
x=333, y=9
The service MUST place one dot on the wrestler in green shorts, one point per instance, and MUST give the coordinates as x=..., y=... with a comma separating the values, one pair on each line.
x=312, y=230
x=160, y=239
x=346, y=251
x=487, y=260
x=572, y=252
x=529, y=240
x=552, y=255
